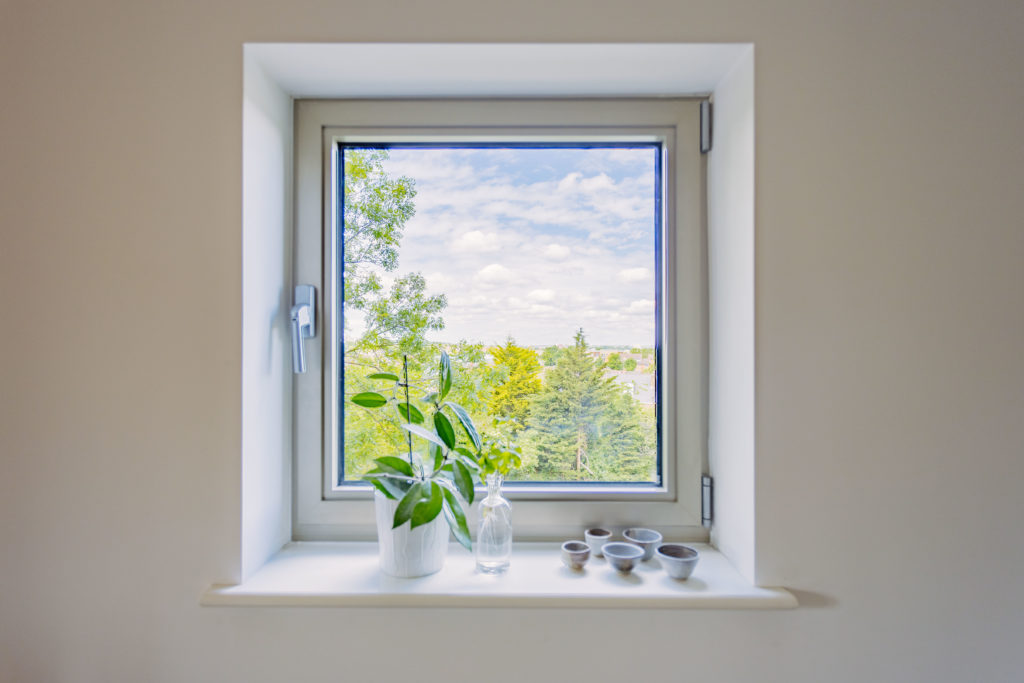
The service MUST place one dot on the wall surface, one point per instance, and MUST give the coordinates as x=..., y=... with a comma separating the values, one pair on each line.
x=267, y=153
x=890, y=378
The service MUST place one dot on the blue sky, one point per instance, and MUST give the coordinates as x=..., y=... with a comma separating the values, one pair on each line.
x=534, y=243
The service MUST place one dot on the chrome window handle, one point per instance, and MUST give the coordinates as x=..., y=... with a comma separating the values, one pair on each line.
x=303, y=324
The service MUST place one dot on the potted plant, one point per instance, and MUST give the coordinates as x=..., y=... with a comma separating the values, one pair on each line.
x=417, y=494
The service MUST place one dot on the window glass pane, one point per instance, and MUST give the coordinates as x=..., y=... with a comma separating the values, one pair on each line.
x=535, y=268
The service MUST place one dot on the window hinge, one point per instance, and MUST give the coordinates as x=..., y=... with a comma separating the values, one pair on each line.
x=707, y=490
x=705, y=126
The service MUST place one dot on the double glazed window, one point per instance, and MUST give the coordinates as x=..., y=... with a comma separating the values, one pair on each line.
x=535, y=267
x=554, y=250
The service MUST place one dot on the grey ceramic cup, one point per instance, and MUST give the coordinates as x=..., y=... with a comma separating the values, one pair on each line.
x=678, y=560
x=623, y=556
x=647, y=539
x=575, y=554
x=596, y=538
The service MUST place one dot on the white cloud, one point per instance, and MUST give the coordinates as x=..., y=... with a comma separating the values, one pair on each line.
x=645, y=306
x=494, y=274
x=533, y=253
x=569, y=182
x=635, y=275
x=545, y=310
x=556, y=252
x=475, y=241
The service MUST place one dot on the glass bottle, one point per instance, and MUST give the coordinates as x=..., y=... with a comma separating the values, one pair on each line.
x=494, y=540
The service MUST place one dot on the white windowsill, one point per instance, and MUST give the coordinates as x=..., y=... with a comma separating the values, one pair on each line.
x=348, y=575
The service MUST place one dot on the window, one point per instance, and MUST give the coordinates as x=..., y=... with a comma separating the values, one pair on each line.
x=362, y=164
x=535, y=266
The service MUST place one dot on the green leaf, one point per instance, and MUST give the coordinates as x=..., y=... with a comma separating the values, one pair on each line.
x=383, y=375
x=423, y=433
x=467, y=423
x=431, y=398
x=456, y=519
x=463, y=481
x=444, y=429
x=444, y=380
x=427, y=510
x=434, y=451
x=369, y=399
x=471, y=464
x=414, y=413
x=404, y=511
x=391, y=488
x=394, y=465
x=379, y=485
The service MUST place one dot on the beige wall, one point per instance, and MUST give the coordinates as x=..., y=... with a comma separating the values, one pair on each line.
x=890, y=399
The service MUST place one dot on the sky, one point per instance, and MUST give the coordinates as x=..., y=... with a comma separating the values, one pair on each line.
x=533, y=243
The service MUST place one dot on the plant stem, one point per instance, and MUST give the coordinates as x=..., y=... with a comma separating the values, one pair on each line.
x=408, y=415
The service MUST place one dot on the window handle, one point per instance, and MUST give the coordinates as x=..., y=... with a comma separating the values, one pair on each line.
x=303, y=324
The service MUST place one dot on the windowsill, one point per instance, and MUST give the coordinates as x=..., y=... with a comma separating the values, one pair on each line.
x=348, y=575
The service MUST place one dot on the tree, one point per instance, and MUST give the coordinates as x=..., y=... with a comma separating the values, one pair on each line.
x=521, y=382
x=550, y=355
x=376, y=209
x=582, y=424
x=614, y=361
x=630, y=364
x=403, y=317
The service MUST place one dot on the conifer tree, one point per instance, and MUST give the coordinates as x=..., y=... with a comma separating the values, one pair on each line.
x=578, y=415
x=521, y=369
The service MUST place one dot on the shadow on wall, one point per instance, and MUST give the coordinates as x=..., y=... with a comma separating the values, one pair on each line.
x=811, y=599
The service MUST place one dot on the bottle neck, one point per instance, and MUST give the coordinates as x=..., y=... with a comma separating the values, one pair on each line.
x=493, y=485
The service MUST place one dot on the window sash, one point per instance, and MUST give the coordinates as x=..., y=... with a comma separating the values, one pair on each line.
x=325, y=511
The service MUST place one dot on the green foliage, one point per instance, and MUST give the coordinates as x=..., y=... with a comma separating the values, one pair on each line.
x=583, y=426
x=614, y=361
x=444, y=429
x=369, y=399
x=629, y=365
x=428, y=509
x=376, y=209
x=616, y=441
x=456, y=518
x=403, y=513
x=404, y=316
x=390, y=464
x=409, y=413
x=550, y=355
x=520, y=368
x=467, y=423
x=500, y=454
x=419, y=491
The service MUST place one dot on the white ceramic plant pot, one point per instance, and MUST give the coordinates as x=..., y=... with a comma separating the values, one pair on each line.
x=406, y=552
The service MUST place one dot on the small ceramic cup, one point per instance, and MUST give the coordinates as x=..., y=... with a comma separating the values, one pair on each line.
x=645, y=538
x=678, y=560
x=623, y=556
x=575, y=554
x=596, y=538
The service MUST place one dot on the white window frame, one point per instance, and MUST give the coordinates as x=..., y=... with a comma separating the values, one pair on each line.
x=322, y=513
